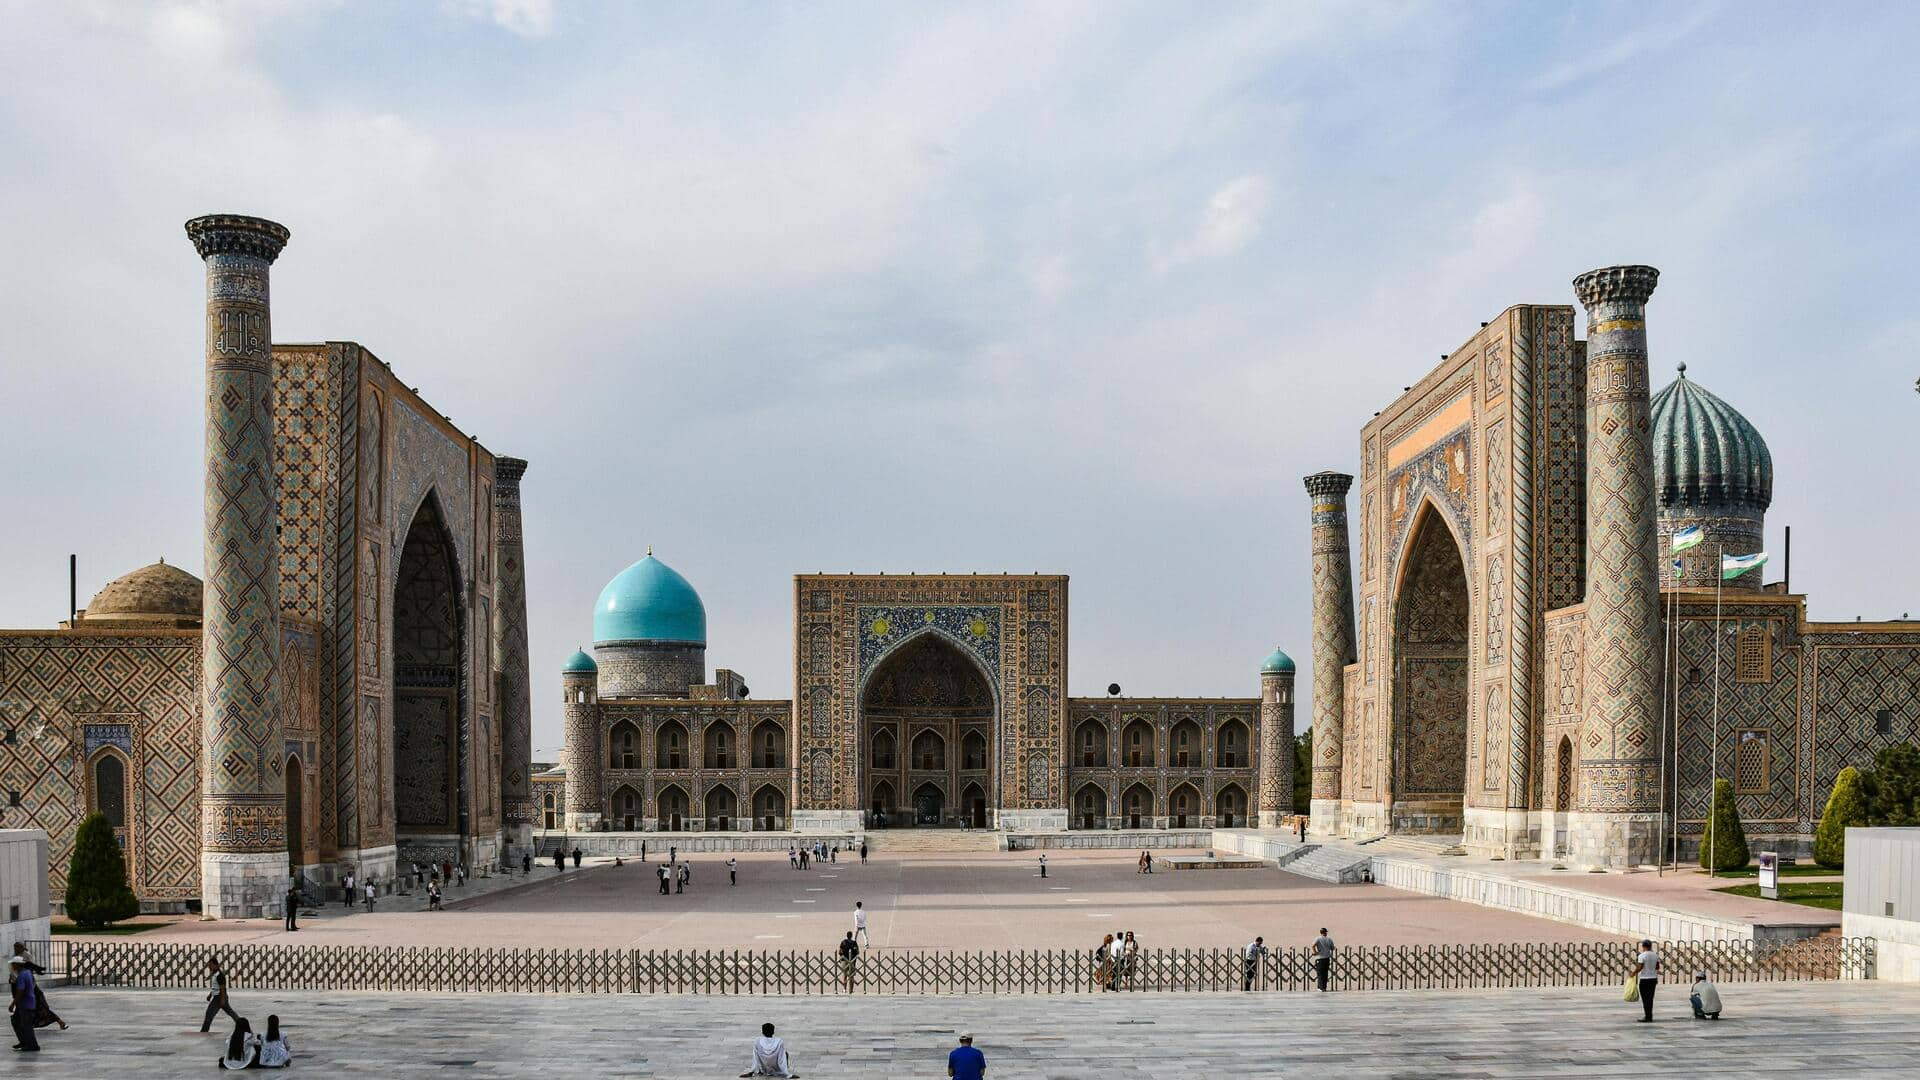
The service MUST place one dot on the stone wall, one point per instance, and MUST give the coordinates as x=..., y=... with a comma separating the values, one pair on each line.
x=23, y=887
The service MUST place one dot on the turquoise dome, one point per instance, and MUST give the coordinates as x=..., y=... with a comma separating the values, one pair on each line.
x=1277, y=662
x=580, y=664
x=649, y=601
x=1705, y=454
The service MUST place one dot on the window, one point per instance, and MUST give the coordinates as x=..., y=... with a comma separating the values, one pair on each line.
x=929, y=751
x=626, y=748
x=883, y=749
x=1185, y=747
x=671, y=749
x=110, y=789
x=973, y=751
x=1139, y=745
x=1093, y=744
x=1752, y=763
x=1754, y=656
x=1232, y=751
x=1883, y=722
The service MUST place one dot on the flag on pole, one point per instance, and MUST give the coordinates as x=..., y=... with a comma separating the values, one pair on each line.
x=1732, y=566
x=1688, y=537
x=1679, y=566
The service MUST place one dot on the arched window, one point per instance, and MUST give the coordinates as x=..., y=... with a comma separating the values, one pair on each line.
x=722, y=809
x=973, y=751
x=670, y=746
x=770, y=807
x=626, y=808
x=1183, y=804
x=546, y=809
x=1184, y=745
x=929, y=750
x=110, y=788
x=623, y=744
x=1091, y=741
x=769, y=746
x=719, y=740
x=1138, y=807
x=1091, y=807
x=1137, y=745
x=1563, y=782
x=883, y=749
x=1230, y=752
x=1230, y=807
x=672, y=806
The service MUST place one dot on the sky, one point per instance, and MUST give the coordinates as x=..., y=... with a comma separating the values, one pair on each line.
x=1080, y=288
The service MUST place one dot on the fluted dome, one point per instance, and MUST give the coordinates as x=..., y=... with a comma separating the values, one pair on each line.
x=1277, y=663
x=1705, y=454
x=649, y=601
x=156, y=593
x=579, y=664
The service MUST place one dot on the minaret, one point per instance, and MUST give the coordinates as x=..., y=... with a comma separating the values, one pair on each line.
x=1276, y=740
x=243, y=801
x=510, y=647
x=580, y=720
x=1617, y=809
x=1332, y=640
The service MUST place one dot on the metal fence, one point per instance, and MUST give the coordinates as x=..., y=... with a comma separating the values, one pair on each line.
x=928, y=971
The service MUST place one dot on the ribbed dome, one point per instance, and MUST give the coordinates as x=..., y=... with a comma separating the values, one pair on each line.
x=579, y=664
x=1705, y=454
x=151, y=593
x=1277, y=662
x=649, y=601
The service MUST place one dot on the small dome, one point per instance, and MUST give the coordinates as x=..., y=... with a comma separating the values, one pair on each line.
x=1705, y=454
x=579, y=664
x=152, y=593
x=1277, y=662
x=649, y=601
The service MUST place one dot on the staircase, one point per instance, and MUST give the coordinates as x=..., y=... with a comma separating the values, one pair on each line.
x=1417, y=844
x=942, y=840
x=1336, y=865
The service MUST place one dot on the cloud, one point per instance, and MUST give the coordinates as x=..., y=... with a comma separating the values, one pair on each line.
x=1233, y=217
x=527, y=18
x=1612, y=47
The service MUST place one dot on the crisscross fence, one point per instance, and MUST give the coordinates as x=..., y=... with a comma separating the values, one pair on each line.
x=447, y=969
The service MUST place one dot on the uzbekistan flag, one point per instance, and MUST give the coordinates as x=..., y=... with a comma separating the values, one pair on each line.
x=1687, y=537
x=1732, y=566
x=1679, y=567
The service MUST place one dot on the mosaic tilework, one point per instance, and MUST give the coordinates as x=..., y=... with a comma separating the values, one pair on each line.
x=1332, y=627
x=1112, y=778
x=1431, y=666
x=510, y=636
x=974, y=629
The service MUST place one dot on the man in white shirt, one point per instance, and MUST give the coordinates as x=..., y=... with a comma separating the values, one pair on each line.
x=860, y=925
x=1647, y=970
x=1255, y=951
x=733, y=870
x=770, y=1056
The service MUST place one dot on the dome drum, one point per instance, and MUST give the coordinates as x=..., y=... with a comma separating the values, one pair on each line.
x=1712, y=470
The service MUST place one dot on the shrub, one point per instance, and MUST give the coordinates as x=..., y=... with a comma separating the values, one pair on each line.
x=97, y=892
x=1724, y=847
x=1847, y=806
x=1893, y=787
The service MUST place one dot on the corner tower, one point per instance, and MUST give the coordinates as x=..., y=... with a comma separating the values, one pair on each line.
x=243, y=808
x=1332, y=640
x=510, y=645
x=1276, y=739
x=1617, y=809
x=580, y=723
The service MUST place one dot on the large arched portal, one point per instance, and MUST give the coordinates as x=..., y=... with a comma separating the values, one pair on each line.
x=931, y=700
x=430, y=797
x=1430, y=636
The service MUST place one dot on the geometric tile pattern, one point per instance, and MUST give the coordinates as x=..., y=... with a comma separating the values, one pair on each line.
x=1332, y=626
x=515, y=706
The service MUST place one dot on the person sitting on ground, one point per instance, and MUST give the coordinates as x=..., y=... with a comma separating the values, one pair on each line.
x=275, y=1051
x=966, y=1063
x=1705, y=998
x=770, y=1056
x=243, y=1047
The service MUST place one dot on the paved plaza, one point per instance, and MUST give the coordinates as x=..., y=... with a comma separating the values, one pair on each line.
x=943, y=900
x=1771, y=1029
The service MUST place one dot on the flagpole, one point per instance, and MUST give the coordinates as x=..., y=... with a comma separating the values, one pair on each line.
x=1675, y=691
x=1713, y=756
x=1666, y=675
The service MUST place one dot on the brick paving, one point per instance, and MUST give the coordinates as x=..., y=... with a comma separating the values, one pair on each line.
x=1770, y=1030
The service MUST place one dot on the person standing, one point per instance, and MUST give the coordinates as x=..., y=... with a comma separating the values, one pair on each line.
x=526, y=862
x=1647, y=965
x=1116, y=958
x=833, y=854
x=1302, y=822
x=863, y=853
x=733, y=870
x=368, y=889
x=1140, y=867
x=1043, y=866
x=1255, y=952
x=686, y=875
x=673, y=854
x=849, y=959
x=24, y=1007
x=662, y=875
x=1103, y=963
x=293, y=907
x=966, y=1063
x=860, y=924
x=576, y=856
x=793, y=857
x=643, y=851
x=1322, y=958
x=559, y=860
x=217, y=994
x=346, y=890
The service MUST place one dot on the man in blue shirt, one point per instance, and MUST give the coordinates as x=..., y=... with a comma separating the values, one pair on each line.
x=966, y=1063
x=25, y=1006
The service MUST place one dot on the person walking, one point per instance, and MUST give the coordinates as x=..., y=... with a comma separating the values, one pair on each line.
x=1251, y=956
x=526, y=862
x=368, y=890
x=293, y=907
x=966, y=1063
x=1301, y=821
x=1647, y=970
x=433, y=896
x=1322, y=958
x=849, y=959
x=686, y=875
x=833, y=854
x=733, y=870
x=673, y=853
x=770, y=1057
x=346, y=890
x=217, y=995
x=663, y=875
x=863, y=853
x=1043, y=866
x=1140, y=866
x=23, y=1008
x=860, y=924
x=1705, y=998
x=559, y=860
x=576, y=856
x=47, y=1015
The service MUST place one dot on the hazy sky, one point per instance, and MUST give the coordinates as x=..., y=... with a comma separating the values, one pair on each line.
x=1080, y=288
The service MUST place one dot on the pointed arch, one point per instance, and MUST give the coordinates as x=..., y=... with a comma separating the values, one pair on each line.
x=721, y=808
x=973, y=751
x=626, y=807
x=1431, y=624
x=1183, y=806
x=719, y=746
x=1137, y=741
x=884, y=801
x=1137, y=807
x=1090, y=743
x=670, y=746
x=770, y=807
x=1090, y=806
x=623, y=745
x=929, y=750
x=882, y=751
x=431, y=793
x=1232, y=745
x=973, y=804
x=1184, y=745
x=930, y=804
x=769, y=745
x=671, y=808
x=1230, y=807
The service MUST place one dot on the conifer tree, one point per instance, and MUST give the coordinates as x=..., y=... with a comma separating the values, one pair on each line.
x=97, y=892
x=1846, y=807
x=1724, y=847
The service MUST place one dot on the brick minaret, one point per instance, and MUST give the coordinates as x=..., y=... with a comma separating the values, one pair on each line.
x=1617, y=808
x=580, y=720
x=243, y=803
x=510, y=647
x=1332, y=640
x=1276, y=740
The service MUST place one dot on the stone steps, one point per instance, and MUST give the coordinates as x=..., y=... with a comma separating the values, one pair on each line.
x=1336, y=865
x=1416, y=844
x=938, y=840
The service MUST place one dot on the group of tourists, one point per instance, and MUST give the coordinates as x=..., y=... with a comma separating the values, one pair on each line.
x=803, y=856
x=1145, y=865
x=246, y=1048
x=772, y=1058
x=676, y=874
x=1114, y=959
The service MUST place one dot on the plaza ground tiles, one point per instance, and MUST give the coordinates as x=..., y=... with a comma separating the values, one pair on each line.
x=1771, y=1029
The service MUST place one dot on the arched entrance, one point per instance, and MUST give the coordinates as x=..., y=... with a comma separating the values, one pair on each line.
x=723, y=809
x=1090, y=807
x=927, y=715
x=1183, y=807
x=671, y=808
x=1230, y=807
x=626, y=808
x=770, y=808
x=973, y=803
x=1137, y=806
x=430, y=796
x=1430, y=636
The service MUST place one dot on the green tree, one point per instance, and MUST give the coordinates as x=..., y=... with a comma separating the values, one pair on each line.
x=1893, y=787
x=97, y=892
x=1847, y=806
x=1303, y=772
x=1724, y=847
